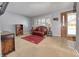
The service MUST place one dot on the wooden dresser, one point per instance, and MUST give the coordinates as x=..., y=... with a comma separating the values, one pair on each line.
x=7, y=43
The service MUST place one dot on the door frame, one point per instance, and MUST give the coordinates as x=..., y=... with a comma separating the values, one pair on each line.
x=64, y=28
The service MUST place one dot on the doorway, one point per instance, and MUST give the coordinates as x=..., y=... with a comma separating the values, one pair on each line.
x=68, y=25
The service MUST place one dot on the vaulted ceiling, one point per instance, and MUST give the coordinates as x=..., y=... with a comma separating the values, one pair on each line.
x=36, y=8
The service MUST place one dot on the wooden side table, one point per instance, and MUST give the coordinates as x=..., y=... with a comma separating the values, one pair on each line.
x=49, y=33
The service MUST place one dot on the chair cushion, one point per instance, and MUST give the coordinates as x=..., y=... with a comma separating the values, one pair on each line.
x=41, y=31
x=38, y=33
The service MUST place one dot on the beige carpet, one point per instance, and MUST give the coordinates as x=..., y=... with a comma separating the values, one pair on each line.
x=49, y=47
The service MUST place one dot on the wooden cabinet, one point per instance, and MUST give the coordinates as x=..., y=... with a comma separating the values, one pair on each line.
x=7, y=43
x=19, y=29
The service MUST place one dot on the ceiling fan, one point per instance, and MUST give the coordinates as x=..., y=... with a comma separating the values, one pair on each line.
x=3, y=7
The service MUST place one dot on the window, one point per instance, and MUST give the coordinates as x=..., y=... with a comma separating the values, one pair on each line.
x=42, y=21
x=71, y=24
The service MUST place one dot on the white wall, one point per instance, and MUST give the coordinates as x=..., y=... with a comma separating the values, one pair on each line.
x=8, y=21
x=56, y=25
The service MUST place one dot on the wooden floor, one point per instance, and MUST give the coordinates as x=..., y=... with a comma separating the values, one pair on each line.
x=49, y=47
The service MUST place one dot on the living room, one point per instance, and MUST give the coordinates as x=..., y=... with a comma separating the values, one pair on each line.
x=28, y=16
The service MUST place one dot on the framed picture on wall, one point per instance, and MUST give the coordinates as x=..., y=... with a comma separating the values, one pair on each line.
x=55, y=19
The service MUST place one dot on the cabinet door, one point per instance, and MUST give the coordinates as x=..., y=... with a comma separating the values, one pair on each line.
x=63, y=25
x=7, y=44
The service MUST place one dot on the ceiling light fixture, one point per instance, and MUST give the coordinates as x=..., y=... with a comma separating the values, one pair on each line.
x=3, y=7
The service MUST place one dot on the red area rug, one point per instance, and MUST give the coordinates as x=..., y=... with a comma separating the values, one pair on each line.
x=33, y=38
